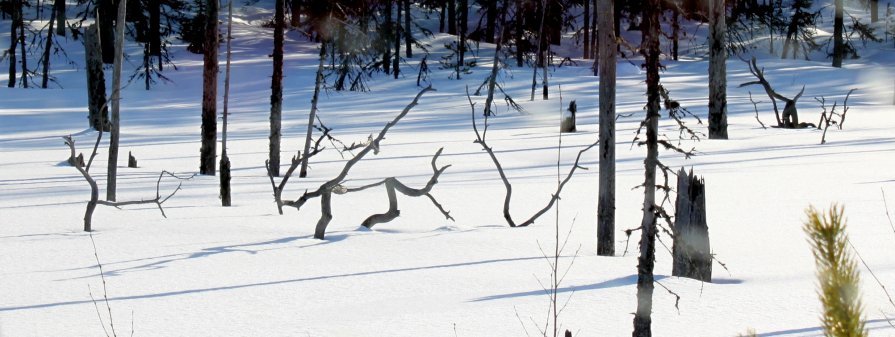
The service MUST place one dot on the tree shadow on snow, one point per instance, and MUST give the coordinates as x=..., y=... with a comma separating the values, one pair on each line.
x=613, y=283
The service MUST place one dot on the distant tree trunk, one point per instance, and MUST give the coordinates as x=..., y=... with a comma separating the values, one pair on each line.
x=208, y=151
x=691, y=250
x=46, y=57
x=112, y=173
x=13, y=41
x=594, y=47
x=442, y=13
x=408, y=37
x=495, y=65
x=874, y=11
x=105, y=12
x=318, y=83
x=98, y=114
x=587, y=53
x=519, y=34
x=838, y=45
x=225, y=160
x=452, y=16
x=155, y=27
x=646, y=261
x=491, y=20
x=464, y=26
x=59, y=11
x=675, y=34
x=276, y=90
x=22, y=53
x=396, y=70
x=387, y=53
x=717, y=71
x=295, y=6
x=606, y=207
x=538, y=58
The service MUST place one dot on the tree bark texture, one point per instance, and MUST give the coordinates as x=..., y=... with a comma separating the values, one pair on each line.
x=98, y=113
x=13, y=42
x=838, y=45
x=276, y=89
x=646, y=260
x=606, y=206
x=208, y=151
x=691, y=252
x=112, y=172
x=396, y=70
x=717, y=70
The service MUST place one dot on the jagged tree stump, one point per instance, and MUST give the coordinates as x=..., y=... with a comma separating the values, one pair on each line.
x=692, y=251
x=131, y=160
x=568, y=120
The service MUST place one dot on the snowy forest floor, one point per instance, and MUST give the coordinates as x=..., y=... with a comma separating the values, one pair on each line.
x=247, y=271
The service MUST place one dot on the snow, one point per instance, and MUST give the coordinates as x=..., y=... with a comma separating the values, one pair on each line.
x=247, y=271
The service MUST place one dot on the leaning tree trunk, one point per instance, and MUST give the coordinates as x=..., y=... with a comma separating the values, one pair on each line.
x=318, y=83
x=45, y=78
x=98, y=113
x=276, y=89
x=717, y=71
x=606, y=203
x=112, y=172
x=646, y=260
x=225, y=160
x=691, y=252
x=210, y=92
x=838, y=45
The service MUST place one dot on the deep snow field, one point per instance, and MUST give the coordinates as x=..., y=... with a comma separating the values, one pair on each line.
x=247, y=271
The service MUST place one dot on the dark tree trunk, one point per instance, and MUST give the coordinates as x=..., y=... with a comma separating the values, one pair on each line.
x=155, y=28
x=606, y=207
x=442, y=13
x=208, y=150
x=874, y=11
x=675, y=34
x=408, y=37
x=225, y=160
x=491, y=20
x=45, y=78
x=838, y=45
x=464, y=26
x=387, y=53
x=59, y=12
x=452, y=16
x=396, y=70
x=717, y=71
x=115, y=124
x=295, y=6
x=98, y=115
x=21, y=25
x=276, y=89
x=587, y=53
x=692, y=252
x=13, y=41
x=495, y=65
x=646, y=261
x=519, y=34
x=790, y=36
x=594, y=47
x=105, y=12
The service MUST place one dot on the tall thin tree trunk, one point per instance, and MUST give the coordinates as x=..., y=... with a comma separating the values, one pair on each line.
x=155, y=28
x=464, y=27
x=59, y=11
x=519, y=34
x=105, y=12
x=276, y=90
x=675, y=34
x=225, y=160
x=98, y=114
x=112, y=172
x=874, y=11
x=22, y=53
x=318, y=82
x=538, y=59
x=717, y=71
x=838, y=45
x=495, y=66
x=646, y=260
x=387, y=53
x=396, y=70
x=13, y=41
x=491, y=20
x=452, y=16
x=45, y=78
x=594, y=48
x=295, y=6
x=408, y=37
x=606, y=207
x=442, y=13
x=208, y=151
x=587, y=53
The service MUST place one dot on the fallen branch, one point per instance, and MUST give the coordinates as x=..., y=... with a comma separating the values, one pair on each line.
x=754, y=104
x=790, y=118
x=94, y=189
x=393, y=185
x=480, y=139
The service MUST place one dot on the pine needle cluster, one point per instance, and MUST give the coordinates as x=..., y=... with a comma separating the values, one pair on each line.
x=837, y=273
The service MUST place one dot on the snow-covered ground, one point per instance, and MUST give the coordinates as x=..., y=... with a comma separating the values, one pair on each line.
x=247, y=271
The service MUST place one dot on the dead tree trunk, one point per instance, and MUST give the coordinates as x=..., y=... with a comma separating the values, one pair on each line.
x=45, y=77
x=587, y=53
x=21, y=18
x=452, y=16
x=318, y=83
x=13, y=41
x=225, y=160
x=276, y=89
x=386, y=39
x=717, y=70
x=647, y=259
x=98, y=114
x=208, y=150
x=396, y=70
x=59, y=11
x=539, y=60
x=112, y=173
x=692, y=252
x=495, y=66
x=790, y=118
x=838, y=44
x=408, y=38
x=606, y=203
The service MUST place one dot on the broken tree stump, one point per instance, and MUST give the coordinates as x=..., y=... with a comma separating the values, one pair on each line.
x=568, y=120
x=692, y=251
x=131, y=160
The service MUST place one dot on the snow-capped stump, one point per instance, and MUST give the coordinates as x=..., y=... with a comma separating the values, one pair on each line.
x=568, y=120
x=692, y=252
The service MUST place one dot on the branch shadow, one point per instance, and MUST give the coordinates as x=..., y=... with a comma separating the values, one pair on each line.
x=612, y=283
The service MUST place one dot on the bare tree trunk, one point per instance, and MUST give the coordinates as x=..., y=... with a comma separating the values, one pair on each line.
x=646, y=260
x=13, y=41
x=691, y=251
x=442, y=13
x=276, y=89
x=155, y=27
x=396, y=70
x=606, y=207
x=587, y=53
x=296, y=13
x=46, y=57
x=675, y=34
x=874, y=11
x=538, y=58
x=408, y=37
x=452, y=16
x=98, y=114
x=59, y=10
x=112, y=173
x=464, y=27
x=388, y=31
x=717, y=71
x=22, y=53
x=225, y=160
x=208, y=151
x=838, y=45
x=105, y=11
x=594, y=47
x=491, y=20
x=318, y=83
x=495, y=66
